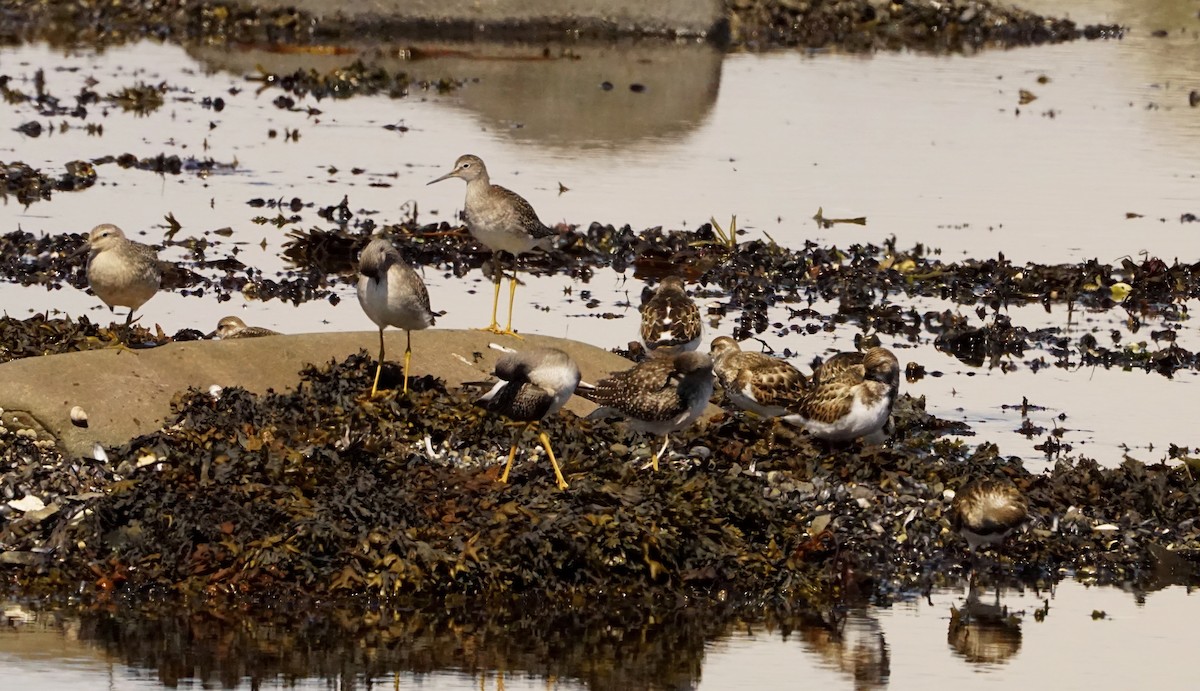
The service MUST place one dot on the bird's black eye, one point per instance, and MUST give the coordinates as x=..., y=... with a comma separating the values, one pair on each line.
x=466, y=165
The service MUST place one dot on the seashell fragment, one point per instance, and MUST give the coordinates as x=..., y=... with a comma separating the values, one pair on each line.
x=79, y=417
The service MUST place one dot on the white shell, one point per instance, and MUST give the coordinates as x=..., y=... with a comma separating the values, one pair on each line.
x=79, y=417
x=27, y=503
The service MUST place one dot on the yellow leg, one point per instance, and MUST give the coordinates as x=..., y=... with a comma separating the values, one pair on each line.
x=512, y=293
x=661, y=451
x=407, y=357
x=497, y=274
x=378, y=366
x=512, y=453
x=558, y=476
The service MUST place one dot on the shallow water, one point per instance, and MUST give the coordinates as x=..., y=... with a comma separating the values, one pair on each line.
x=1100, y=638
x=930, y=149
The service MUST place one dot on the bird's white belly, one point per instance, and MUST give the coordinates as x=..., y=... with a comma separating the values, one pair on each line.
x=860, y=420
x=387, y=304
x=118, y=283
x=744, y=401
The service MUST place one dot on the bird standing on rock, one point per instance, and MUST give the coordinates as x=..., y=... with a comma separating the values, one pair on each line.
x=233, y=327
x=120, y=271
x=534, y=384
x=392, y=294
x=849, y=396
x=670, y=318
x=659, y=395
x=503, y=221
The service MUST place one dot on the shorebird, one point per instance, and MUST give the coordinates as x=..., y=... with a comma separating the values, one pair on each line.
x=671, y=319
x=120, y=271
x=849, y=396
x=391, y=294
x=659, y=395
x=534, y=384
x=987, y=511
x=234, y=327
x=503, y=221
x=757, y=382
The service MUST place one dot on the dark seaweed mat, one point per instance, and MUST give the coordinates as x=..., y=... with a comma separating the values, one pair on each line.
x=320, y=493
x=848, y=24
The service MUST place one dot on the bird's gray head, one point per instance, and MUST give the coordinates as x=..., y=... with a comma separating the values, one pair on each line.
x=723, y=345
x=468, y=167
x=376, y=258
x=105, y=236
x=229, y=325
x=692, y=363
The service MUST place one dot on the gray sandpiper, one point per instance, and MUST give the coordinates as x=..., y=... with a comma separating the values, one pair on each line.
x=391, y=294
x=120, y=271
x=233, y=327
x=503, y=221
x=534, y=384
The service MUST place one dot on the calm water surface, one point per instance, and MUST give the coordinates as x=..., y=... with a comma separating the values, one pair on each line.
x=932, y=150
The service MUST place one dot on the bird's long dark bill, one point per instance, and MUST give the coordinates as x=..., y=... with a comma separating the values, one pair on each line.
x=447, y=176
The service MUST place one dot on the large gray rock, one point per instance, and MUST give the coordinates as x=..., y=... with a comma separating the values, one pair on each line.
x=126, y=393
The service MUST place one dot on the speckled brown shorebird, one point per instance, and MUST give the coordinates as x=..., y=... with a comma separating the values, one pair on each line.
x=757, y=382
x=670, y=318
x=986, y=511
x=534, y=384
x=120, y=271
x=659, y=395
x=392, y=294
x=849, y=396
x=233, y=327
x=503, y=221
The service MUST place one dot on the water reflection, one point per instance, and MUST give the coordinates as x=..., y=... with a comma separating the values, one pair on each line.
x=984, y=633
x=851, y=642
x=600, y=97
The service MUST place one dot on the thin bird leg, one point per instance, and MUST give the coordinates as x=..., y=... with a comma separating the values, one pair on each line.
x=512, y=293
x=558, y=476
x=378, y=366
x=661, y=451
x=512, y=453
x=407, y=356
x=497, y=274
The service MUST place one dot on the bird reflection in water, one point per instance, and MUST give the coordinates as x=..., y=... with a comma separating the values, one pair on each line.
x=851, y=642
x=984, y=634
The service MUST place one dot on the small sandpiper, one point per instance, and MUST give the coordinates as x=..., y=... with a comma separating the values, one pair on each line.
x=233, y=327
x=503, y=221
x=120, y=271
x=392, y=294
x=659, y=395
x=534, y=384
x=671, y=319
x=850, y=396
x=987, y=511
x=757, y=382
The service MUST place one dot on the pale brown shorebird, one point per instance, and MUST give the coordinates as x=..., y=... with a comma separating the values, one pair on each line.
x=757, y=382
x=503, y=221
x=849, y=396
x=670, y=318
x=986, y=511
x=233, y=327
x=120, y=271
x=659, y=395
x=534, y=384
x=392, y=294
